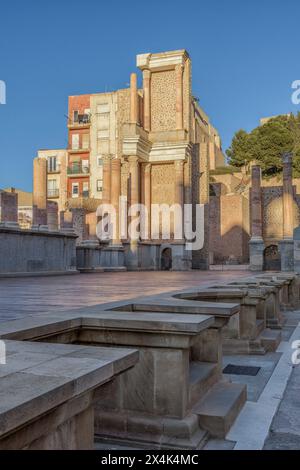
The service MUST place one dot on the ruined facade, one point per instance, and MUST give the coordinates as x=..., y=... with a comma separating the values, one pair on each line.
x=238, y=216
x=152, y=145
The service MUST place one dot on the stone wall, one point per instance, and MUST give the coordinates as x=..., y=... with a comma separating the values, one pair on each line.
x=229, y=229
x=163, y=100
x=32, y=252
x=162, y=184
x=273, y=215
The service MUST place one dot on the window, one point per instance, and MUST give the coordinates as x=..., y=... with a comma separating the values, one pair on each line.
x=85, y=141
x=85, y=189
x=52, y=188
x=103, y=134
x=103, y=108
x=75, y=116
x=75, y=141
x=99, y=185
x=52, y=164
x=75, y=189
x=99, y=161
x=85, y=166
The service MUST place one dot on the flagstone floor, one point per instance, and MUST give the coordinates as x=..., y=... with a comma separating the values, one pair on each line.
x=29, y=295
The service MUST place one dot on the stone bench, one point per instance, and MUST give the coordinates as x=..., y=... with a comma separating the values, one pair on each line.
x=293, y=280
x=48, y=392
x=268, y=294
x=281, y=285
x=175, y=395
x=247, y=332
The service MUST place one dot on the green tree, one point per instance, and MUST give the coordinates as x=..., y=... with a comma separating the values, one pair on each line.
x=239, y=152
x=267, y=143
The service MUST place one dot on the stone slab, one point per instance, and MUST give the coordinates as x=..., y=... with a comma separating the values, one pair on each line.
x=49, y=376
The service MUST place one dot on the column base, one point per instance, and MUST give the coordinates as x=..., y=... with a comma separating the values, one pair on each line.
x=14, y=225
x=256, y=254
x=40, y=228
x=112, y=257
x=287, y=254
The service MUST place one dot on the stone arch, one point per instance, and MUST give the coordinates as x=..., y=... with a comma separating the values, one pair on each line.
x=272, y=260
x=166, y=258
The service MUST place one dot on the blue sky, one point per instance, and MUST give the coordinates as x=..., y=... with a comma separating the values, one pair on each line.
x=245, y=55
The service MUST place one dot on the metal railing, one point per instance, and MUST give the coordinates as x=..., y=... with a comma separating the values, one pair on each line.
x=78, y=169
x=82, y=194
x=53, y=192
x=81, y=120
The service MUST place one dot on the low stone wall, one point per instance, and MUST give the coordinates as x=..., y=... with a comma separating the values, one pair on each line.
x=24, y=252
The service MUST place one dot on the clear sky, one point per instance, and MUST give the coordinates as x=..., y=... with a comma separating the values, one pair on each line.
x=245, y=55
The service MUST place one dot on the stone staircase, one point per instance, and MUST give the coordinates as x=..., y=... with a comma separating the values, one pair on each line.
x=270, y=339
x=203, y=375
x=219, y=408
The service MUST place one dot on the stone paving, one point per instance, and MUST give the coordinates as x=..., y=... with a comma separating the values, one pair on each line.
x=20, y=297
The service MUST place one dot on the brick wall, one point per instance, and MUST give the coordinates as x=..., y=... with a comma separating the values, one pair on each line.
x=229, y=228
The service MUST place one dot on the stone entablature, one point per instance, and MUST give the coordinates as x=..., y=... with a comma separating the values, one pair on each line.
x=161, y=60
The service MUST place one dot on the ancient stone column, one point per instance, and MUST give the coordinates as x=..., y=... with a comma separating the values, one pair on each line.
x=179, y=194
x=115, y=197
x=52, y=215
x=146, y=87
x=287, y=244
x=288, y=200
x=256, y=209
x=39, y=210
x=179, y=96
x=147, y=199
x=106, y=191
x=39, y=218
x=134, y=179
x=133, y=99
x=256, y=243
x=134, y=199
x=40, y=183
x=79, y=224
x=9, y=209
x=65, y=221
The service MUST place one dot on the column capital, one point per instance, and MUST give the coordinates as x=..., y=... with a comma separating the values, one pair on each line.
x=133, y=159
x=107, y=157
x=116, y=161
x=146, y=73
x=179, y=68
x=256, y=171
x=147, y=167
x=179, y=164
x=287, y=157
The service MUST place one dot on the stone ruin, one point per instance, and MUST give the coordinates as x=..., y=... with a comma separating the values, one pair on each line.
x=145, y=371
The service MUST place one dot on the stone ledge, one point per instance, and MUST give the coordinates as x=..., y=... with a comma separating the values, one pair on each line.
x=39, y=377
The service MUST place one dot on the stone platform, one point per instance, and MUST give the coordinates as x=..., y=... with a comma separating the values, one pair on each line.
x=47, y=393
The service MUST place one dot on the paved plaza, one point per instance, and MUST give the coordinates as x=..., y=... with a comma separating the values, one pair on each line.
x=271, y=413
x=25, y=296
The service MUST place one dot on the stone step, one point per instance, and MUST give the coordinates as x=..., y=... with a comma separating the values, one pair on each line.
x=220, y=407
x=275, y=323
x=270, y=339
x=260, y=326
x=203, y=375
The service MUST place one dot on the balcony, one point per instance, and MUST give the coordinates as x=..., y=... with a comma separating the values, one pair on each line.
x=53, y=170
x=82, y=200
x=52, y=193
x=82, y=120
x=78, y=169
